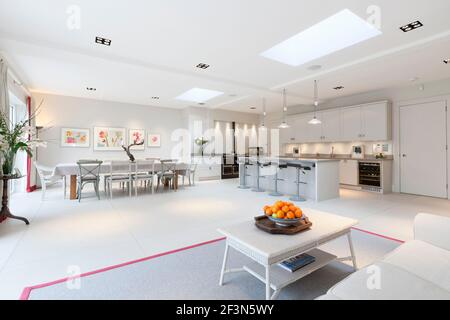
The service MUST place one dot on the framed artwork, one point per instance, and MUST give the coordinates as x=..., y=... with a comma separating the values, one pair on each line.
x=109, y=139
x=154, y=140
x=136, y=136
x=76, y=138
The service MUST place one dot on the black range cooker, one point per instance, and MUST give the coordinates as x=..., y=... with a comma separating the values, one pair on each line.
x=230, y=166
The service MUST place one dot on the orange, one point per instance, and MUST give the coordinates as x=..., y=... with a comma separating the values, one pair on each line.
x=290, y=215
x=274, y=209
x=292, y=208
x=280, y=215
x=285, y=209
x=299, y=213
x=266, y=207
x=279, y=203
x=268, y=212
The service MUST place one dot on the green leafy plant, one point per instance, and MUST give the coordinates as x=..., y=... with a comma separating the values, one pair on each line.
x=201, y=142
x=20, y=136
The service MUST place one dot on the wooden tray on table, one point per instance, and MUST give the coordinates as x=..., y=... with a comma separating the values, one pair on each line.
x=265, y=224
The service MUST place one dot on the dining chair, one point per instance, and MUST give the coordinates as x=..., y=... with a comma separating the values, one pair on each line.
x=119, y=172
x=189, y=172
x=167, y=174
x=144, y=172
x=47, y=177
x=88, y=173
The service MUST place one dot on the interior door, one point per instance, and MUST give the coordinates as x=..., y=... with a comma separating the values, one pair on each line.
x=423, y=154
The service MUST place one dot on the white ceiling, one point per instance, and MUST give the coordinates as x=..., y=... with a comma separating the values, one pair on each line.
x=157, y=44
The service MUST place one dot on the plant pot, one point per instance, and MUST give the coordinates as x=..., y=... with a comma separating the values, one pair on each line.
x=8, y=164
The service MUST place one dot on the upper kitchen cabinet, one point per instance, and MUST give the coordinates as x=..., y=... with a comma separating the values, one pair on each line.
x=370, y=122
x=351, y=124
x=331, y=125
x=287, y=135
x=376, y=122
x=301, y=126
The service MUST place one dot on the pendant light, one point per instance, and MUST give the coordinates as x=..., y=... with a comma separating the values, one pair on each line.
x=314, y=120
x=284, y=124
x=263, y=124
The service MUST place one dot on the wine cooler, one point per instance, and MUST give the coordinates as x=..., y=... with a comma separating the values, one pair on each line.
x=370, y=174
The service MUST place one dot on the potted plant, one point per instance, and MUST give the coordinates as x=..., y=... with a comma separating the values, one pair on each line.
x=14, y=138
x=201, y=142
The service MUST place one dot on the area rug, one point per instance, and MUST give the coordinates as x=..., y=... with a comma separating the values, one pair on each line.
x=193, y=273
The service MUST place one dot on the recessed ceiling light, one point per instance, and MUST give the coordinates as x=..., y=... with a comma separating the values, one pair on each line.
x=201, y=104
x=91, y=89
x=155, y=98
x=340, y=31
x=411, y=26
x=252, y=108
x=232, y=95
x=315, y=67
x=103, y=41
x=339, y=88
x=447, y=61
x=203, y=66
x=199, y=95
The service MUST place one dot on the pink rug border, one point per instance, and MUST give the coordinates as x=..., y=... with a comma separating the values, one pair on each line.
x=27, y=290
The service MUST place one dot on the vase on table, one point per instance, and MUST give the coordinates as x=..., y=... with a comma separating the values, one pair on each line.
x=9, y=161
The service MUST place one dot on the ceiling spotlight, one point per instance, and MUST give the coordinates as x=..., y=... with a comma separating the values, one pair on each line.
x=201, y=103
x=447, y=61
x=314, y=67
x=203, y=66
x=91, y=89
x=338, y=88
x=103, y=41
x=252, y=108
x=155, y=98
x=411, y=26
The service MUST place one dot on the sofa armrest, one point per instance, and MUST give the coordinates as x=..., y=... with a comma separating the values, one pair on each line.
x=432, y=229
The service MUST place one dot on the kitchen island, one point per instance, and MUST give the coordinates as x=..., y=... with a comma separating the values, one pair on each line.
x=318, y=184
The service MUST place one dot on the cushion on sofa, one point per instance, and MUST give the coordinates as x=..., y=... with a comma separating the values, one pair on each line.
x=423, y=260
x=395, y=284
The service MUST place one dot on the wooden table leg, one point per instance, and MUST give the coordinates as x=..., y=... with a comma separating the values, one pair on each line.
x=175, y=182
x=73, y=187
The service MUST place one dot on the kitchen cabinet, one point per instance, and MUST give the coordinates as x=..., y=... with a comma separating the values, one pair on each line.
x=348, y=172
x=331, y=125
x=371, y=122
x=351, y=124
x=287, y=135
x=375, y=122
x=208, y=168
x=301, y=126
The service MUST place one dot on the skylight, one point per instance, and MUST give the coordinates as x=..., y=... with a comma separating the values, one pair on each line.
x=199, y=95
x=340, y=31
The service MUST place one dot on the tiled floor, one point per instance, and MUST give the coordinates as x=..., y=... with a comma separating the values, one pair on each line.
x=94, y=234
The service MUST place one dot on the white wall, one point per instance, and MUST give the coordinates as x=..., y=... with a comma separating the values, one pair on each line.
x=61, y=111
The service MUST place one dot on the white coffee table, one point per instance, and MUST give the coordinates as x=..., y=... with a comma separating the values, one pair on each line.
x=267, y=250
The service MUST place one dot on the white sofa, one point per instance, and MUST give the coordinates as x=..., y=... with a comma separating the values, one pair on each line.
x=418, y=269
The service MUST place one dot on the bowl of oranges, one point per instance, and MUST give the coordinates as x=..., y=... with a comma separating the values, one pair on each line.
x=284, y=213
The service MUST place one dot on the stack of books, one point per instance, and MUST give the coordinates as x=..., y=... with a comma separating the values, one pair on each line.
x=295, y=263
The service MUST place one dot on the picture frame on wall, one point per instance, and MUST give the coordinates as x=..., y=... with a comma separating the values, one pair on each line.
x=154, y=140
x=109, y=139
x=136, y=136
x=75, y=137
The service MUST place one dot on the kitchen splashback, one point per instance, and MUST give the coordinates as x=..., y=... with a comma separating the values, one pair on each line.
x=339, y=148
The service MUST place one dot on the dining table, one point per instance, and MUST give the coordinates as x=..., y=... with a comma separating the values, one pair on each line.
x=72, y=170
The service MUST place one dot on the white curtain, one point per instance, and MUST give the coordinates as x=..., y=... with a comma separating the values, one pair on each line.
x=4, y=92
x=4, y=95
